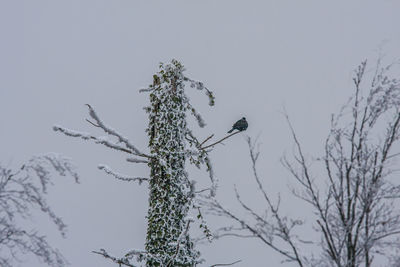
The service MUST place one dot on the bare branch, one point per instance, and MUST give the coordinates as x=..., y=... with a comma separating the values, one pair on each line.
x=225, y=264
x=219, y=141
x=208, y=138
x=120, y=262
x=356, y=212
x=92, y=123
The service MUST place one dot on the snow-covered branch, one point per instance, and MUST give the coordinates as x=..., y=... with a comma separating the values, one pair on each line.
x=87, y=136
x=121, y=177
x=126, y=146
x=135, y=160
x=110, y=131
x=200, y=86
x=20, y=191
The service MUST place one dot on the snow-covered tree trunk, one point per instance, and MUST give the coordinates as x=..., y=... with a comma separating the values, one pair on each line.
x=169, y=199
x=172, y=194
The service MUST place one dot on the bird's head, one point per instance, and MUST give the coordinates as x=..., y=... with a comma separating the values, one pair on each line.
x=244, y=118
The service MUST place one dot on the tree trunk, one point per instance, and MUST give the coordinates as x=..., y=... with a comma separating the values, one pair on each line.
x=167, y=242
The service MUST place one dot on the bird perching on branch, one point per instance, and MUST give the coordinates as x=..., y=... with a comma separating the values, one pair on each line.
x=240, y=125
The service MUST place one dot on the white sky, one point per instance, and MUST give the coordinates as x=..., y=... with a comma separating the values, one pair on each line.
x=257, y=56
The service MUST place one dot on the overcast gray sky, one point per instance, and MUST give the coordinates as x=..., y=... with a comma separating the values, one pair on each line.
x=257, y=56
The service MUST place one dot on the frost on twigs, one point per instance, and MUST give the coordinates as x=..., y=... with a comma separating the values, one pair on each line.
x=20, y=192
x=122, y=143
x=98, y=140
x=355, y=195
x=119, y=176
x=200, y=86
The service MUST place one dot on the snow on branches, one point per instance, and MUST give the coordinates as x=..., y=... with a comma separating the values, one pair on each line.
x=356, y=212
x=171, y=143
x=119, y=176
x=19, y=193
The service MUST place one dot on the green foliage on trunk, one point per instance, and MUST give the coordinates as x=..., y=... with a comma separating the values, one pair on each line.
x=167, y=241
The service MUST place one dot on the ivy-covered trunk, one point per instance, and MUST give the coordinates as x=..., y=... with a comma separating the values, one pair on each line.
x=167, y=242
x=172, y=194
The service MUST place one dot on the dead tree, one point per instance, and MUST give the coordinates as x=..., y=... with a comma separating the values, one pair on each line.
x=355, y=205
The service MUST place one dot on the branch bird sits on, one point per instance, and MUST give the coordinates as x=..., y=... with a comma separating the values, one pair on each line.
x=240, y=125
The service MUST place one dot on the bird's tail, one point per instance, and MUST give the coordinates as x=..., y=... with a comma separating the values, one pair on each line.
x=231, y=130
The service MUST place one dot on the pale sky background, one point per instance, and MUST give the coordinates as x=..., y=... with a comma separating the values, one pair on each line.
x=257, y=56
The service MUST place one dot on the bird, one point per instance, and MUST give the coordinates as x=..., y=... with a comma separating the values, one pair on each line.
x=240, y=125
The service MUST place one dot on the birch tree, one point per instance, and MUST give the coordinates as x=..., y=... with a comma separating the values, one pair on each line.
x=171, y=192
x=354, y=202
x=22, y=192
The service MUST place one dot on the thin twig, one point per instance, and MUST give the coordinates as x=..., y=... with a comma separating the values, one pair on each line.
x=219, y=141
x=225, y=264
x=208, y=138
x=120, y=262
x=92, y=123
x=203, y=190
